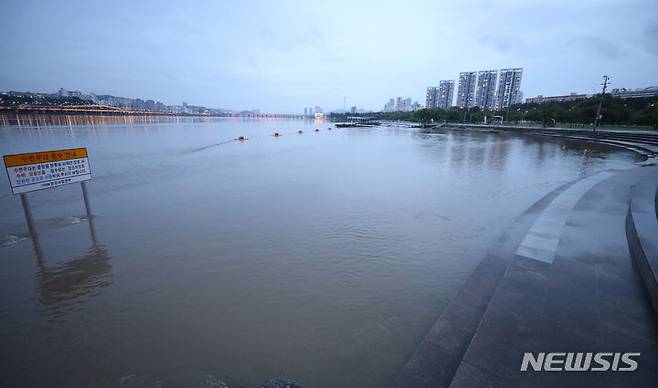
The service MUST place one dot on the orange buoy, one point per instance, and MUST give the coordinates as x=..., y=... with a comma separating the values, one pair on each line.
x=277, y=134
x=242, y=138
x=300, y=131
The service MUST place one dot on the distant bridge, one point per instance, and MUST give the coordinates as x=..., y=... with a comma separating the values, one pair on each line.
x=94, y=109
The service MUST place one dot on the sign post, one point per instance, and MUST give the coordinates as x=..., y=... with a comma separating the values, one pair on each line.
x=28, y=214
x=90, y=217
x=85, y=197
x=44, y=170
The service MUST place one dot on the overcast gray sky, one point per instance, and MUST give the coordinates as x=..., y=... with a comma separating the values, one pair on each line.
x=284, y=55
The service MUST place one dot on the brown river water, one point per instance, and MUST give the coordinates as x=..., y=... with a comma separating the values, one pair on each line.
x=321, y=257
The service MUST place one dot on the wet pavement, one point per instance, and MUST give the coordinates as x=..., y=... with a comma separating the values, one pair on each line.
x=560, y=280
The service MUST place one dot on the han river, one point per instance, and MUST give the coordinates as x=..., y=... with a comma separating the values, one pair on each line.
x=322, y=257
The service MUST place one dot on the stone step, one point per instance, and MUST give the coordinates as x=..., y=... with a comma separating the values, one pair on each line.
x=586, y=298
x=436, y=359
x=642, y=234
x=539, y=289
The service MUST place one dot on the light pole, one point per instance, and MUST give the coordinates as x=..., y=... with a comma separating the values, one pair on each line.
x=509, y=102
x=597, y=119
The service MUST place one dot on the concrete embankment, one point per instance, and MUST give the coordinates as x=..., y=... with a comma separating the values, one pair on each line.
x=644, y=143
x=575, y=273
x=642, y=234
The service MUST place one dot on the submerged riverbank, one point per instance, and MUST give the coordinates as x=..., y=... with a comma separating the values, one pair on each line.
x=323, y=256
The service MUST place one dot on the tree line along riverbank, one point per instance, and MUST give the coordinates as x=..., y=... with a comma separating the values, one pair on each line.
x=617, y=112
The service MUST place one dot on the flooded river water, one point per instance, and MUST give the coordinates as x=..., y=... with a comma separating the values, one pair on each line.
x=322, y=257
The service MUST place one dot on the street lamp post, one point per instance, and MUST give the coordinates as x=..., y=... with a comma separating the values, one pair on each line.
x=509, y=102
x=597, y=118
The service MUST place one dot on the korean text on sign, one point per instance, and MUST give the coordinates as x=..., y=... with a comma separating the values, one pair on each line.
x=43, y=170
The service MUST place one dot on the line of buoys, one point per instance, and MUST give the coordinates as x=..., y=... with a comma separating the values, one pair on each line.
x=243, y=138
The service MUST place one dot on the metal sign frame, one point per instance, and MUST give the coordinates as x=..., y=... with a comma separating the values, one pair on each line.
x=35, y=171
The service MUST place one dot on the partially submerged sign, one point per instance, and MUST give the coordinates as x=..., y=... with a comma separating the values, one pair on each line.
x=43, y=170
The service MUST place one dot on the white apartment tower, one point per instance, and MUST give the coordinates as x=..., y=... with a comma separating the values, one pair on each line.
x=445, y=94
x=509, y=88
x=485, y=92
x=466, y=89
x=431, y=96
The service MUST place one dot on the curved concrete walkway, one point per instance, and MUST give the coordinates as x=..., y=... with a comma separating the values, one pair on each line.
x=644, y=143
x=561, y=279
x=540, y=243
x=642, y=234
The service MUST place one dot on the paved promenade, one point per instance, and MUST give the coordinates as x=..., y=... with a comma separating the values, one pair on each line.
x=642, y=142
x=561, y=279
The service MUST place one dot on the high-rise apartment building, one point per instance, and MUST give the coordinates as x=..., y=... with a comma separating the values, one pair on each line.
x=466, y=89
x=509, y=88
x=445, y=94
x=431, y=97
x=485, y=92
x=399, y=104
x=390, y=106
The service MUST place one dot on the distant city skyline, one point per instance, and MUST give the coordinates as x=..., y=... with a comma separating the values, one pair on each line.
x=279, y=57
x=400, y=104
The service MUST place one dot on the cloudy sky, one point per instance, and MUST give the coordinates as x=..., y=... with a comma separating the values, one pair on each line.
x=284, y=55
